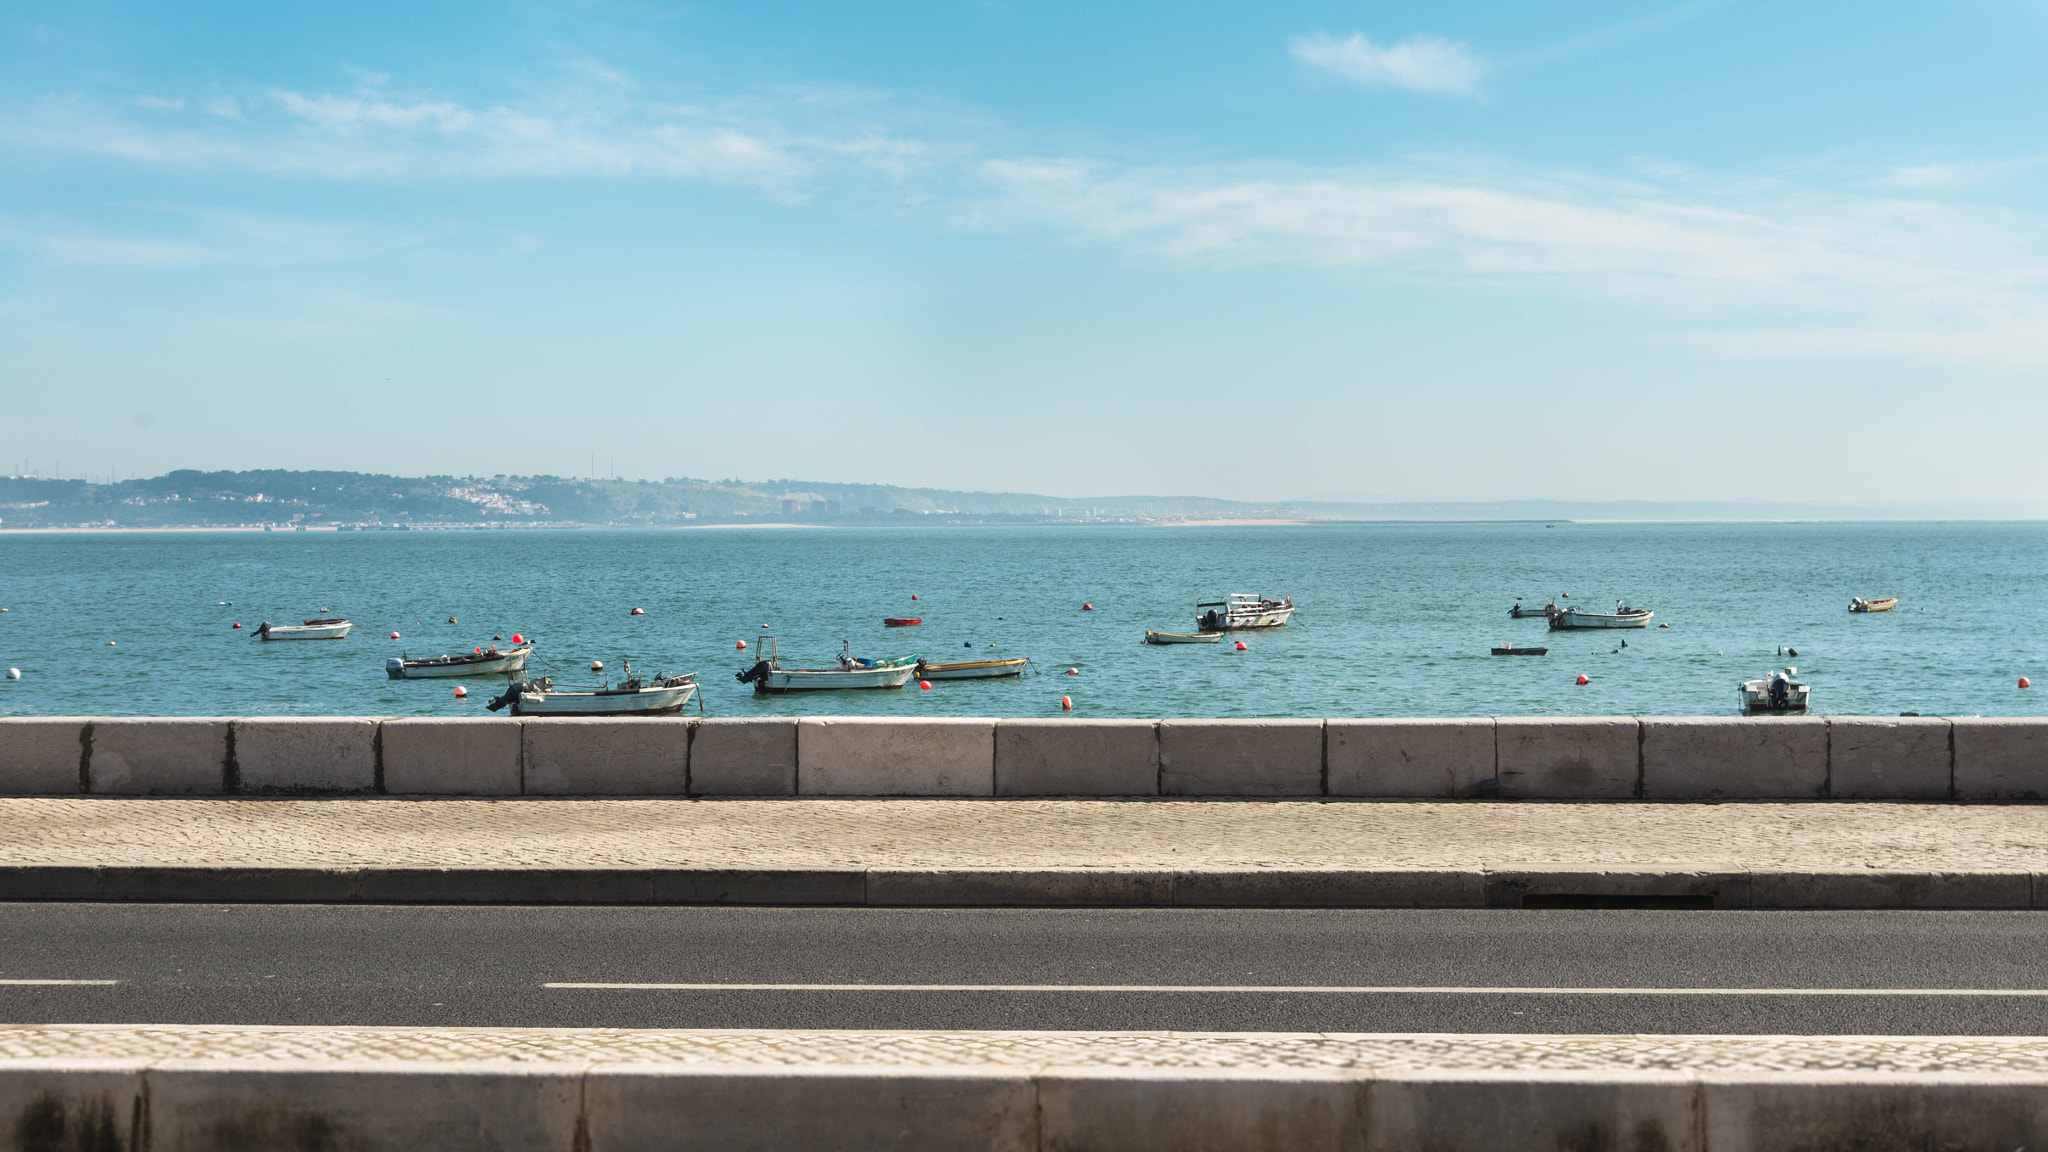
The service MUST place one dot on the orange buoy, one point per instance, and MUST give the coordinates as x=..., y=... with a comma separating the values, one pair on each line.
x=638, y=612
x=238, y=623
x=924, y=685
x=2026, y=683
x=913, y=596
x=597, y=665
x=461, y=692
x=741, y=645
x=394, y=635
x=1087, y=607
x=1584, y=679
x=1066, y=703
x=1240, y=645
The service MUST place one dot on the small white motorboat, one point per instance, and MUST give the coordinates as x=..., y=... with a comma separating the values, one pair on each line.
x=1242, y=612
x=1875, y=604
x=483, y=662
x=1777, y=692
x=768, y=676
x=1523, y=612
x=1183, y=637
x=662, y=696
x=973, y=669
x=1623, y=616
x=333, y=628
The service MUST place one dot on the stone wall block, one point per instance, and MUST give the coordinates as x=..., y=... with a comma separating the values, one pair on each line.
x=40, y=756
x=606, y=756
x=876, y=757
x=1077, y=758
x=1568, y=757
x=1192, y=1109
x=456, y=757
x=743, y=758
x=289, y=754
x=159, y=757
x=1491, y=1112
x=1422, y=759
x=2001, y=758
x=1241, y=757
x=1734, y=757
x=1888, y=758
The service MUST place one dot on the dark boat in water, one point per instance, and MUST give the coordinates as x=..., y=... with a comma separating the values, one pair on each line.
x=901, y=621
x=1513, y=650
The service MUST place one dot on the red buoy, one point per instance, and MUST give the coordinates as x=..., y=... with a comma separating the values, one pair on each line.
x=518, y=639
x=913, y=596
x=1087, y=607
x=394, y=635
x=1240, y=645
x=1066, y=703
x=741, y=645
x=1073, y=671
x=924, y=685
x=1585, y=679
x=461, y=692
x=238, y=623
x=2026, y=683
x=638, y=612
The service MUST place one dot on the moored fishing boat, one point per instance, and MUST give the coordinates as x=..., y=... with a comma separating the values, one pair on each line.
x=973, y=669
x=331, y=628
x=768, y=676
x=901, y=621
x=1183, y=637
x=1623, y=616
x=663, y=696
x=1519, y=650
x=1519, y=612
x=1242, y=612
x=1777, y=692
x=484, y=662
x=1874, y=604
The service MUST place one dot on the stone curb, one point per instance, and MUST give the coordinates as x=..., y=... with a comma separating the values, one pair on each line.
x=1503, y=885
x=517, y=1089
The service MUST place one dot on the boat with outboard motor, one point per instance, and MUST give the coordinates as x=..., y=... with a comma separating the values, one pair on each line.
x=661, y=696
x=974, y=669
x=483, y=662
x=330, y=628
x=1520, y=612
x=1623, y=616
x=768, y=676
x=1243, y=612
x=1874, y=604
x=1509, y=649
x=1775, y=693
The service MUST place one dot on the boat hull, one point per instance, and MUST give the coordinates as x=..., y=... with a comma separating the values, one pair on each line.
x=505, y=663
x=1571, y=619
x=1246, y=622
x=1885, y=604
x=645, y=702
x=306, y=632
x=1512, y=651
x=1754, y=698
x=1183, y=638
x=779, y=681
x=974, y=670
x=1520, y=613
x=902, y=621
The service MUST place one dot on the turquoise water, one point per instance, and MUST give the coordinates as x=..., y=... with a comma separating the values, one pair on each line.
x=1395, y=619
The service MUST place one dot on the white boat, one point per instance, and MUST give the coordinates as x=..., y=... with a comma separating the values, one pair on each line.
x=330, y=629
x=973, y=669
x=488, y=662
x=770, y=677
x=663, y=696
x=1623, y=616
x=1877, y=604
x=1522, y=612
x=1183, y=637
x=1243, y=611
x=1777, y=692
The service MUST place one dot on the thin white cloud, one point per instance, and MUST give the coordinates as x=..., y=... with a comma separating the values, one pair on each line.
x=1428, y=64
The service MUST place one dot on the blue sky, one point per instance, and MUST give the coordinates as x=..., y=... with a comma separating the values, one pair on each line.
x=1668, y=251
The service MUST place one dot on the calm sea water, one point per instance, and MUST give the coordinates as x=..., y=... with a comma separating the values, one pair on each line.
x=1395, y=619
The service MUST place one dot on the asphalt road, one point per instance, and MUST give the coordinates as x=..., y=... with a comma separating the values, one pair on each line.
x=1243, y=970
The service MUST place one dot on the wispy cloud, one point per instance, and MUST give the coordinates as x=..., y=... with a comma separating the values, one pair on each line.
x=1426, y=64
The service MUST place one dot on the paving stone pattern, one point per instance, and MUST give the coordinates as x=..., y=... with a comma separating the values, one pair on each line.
x=1071, y=834
x=1350, y=1052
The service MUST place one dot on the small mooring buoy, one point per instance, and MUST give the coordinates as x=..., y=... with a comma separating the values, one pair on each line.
x=597, y=665
x=1073, y=671
x=2026, y=683
x=461, y=693
x=110, y=643
x=970, y=644
x=1584, y=679
x=14, y=673
x=924, y=685
x=1240, y=645
x=237, y=624
x=451, y=620
x=638, y=612
x=394, y=635
x=1066, y=703
x=1087, y=607
x=741, y=645
x=518, y=639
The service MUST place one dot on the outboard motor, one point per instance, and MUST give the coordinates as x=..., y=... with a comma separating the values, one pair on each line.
x=1780, y=690
x=511, y=695
x=757, y=672
x=1210, y=618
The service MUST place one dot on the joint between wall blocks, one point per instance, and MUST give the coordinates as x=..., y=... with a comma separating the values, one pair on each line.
x=377, y=759
x=1640, y=768
x=85, y=759
x=230, y=767
x=1952, y=761
x=1827, y=784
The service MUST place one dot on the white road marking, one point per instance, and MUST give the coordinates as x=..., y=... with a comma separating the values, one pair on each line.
x=1293, y=989
x=17, y=983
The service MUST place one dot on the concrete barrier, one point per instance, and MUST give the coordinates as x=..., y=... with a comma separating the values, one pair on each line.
x=1200, y=1108
x=299, y=754
x=42, y=757
x=1568, y=757
x=868, y=757
x=743, y=758
x=1077, y=758
x=1241, y=757
x=726, y=1109
x=1493, y=1111
x=452, y=757
x=1723, y=757
x=2002, y=758
x=606, y=757
x=1889, y=758
x=1420, y=759
x=218, y=1106
x=157, y=757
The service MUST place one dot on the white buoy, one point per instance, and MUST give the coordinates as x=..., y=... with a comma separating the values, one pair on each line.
x=110, y=643
x=14, y=673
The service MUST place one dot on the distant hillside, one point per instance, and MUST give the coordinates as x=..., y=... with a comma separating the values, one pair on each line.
x=199, y=499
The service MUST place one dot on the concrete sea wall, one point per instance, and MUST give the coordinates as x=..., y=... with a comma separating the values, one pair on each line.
x=1534, y=758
